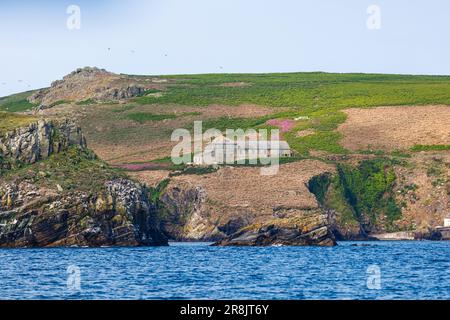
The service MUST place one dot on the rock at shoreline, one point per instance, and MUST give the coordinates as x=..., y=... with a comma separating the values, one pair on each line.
x=308, y=229
x=119, y=215
x=56, y=192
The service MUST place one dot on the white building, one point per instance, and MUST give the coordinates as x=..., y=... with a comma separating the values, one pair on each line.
x=223, y=150
x=447, y=222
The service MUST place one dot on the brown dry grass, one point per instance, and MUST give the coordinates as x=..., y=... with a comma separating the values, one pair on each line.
x=391, y=128
x=428, y=203
x=257, y=195
x=120, y=140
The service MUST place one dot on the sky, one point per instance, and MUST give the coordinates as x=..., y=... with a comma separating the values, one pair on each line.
x=220, y=36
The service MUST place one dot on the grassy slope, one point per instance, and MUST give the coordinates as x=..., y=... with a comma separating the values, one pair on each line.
x=10, y=121
x=320, y=96
x=73, y=169
x=16, y=102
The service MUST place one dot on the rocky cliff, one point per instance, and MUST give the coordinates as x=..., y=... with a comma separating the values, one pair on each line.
x=39, y=140
x=55, y=192
x=257, y=212
x=309, y=228
x=119, y=215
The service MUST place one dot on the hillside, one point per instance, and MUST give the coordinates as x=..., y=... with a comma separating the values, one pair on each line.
x=380, y=142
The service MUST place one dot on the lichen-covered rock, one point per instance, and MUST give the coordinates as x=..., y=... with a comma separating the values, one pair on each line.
x=32, y=217
x=39, y=140
x=184, y=214
x=305, y=229
x=37, y=211
x=87, y=83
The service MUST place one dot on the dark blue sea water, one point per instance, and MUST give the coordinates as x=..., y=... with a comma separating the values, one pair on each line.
x=407, y=270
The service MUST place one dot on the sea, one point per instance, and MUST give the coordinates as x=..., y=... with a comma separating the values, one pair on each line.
x=351, y=270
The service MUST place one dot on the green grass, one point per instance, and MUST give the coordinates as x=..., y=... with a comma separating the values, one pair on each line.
x=320, y=96
x=73, y=169
x=17, y=102
x=86, y=102
x=435, y=147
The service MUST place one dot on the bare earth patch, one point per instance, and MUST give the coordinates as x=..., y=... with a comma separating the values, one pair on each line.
x=235, y=84
x=305, y=133
x=256, y=194
x=151, y=178
x=390, y=128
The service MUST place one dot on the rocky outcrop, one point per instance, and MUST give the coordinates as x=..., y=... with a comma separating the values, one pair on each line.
x=87, y=83
x=307, y=229
x=203, y=207
x=184, y=214
x=120, y=215
x=36, y=211
x=39, y=140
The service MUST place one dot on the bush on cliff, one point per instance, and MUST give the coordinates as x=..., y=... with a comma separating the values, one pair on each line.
x=368, y=188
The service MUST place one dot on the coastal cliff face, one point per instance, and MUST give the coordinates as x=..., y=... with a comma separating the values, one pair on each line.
x=39, y=140
x=261, y=214
x=119, y=215
x=55, y=192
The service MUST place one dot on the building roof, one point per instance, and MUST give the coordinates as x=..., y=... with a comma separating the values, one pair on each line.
x=254, y=144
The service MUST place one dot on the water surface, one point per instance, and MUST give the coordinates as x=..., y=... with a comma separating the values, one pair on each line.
x=408, y=270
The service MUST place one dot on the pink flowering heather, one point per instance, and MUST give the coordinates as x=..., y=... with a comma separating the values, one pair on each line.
x=283, y=124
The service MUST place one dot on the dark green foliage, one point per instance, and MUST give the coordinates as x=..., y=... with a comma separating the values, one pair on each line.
x=318, y=185
x=360, y=194
x=156, y=192
x=434, y=147
x=369, y=190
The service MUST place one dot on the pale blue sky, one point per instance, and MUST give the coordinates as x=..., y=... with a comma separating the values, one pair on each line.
x=208, y=36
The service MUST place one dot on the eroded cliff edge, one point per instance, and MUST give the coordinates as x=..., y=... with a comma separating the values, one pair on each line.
x=56, y=192
x=238, y=206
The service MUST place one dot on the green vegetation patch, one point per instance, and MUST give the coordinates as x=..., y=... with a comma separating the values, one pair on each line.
x=368, y=189
x=86, y=102
x=74, y=169
x=434, y=147
x=362, y=195
x=320, y=97
x=17, y=102
x=156, y=192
